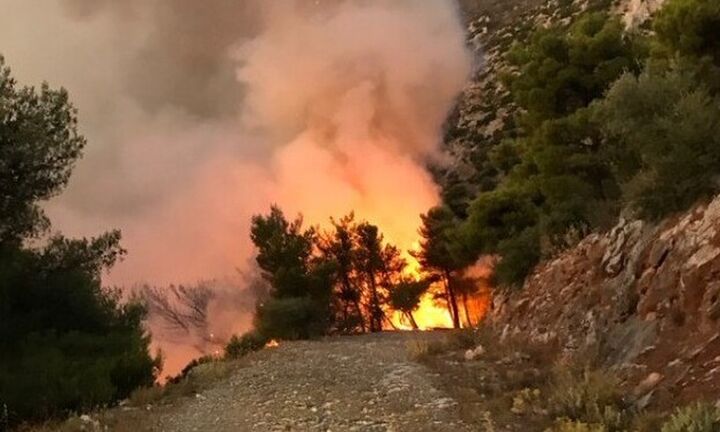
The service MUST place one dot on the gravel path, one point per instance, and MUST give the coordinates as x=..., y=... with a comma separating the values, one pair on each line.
x=362, y=383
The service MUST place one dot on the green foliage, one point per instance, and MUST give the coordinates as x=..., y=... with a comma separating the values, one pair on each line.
x=562, y=70
x=39, y=144
x=442, y=254
x=457, y=193
x=366, y=269
x=503, y=222
x=666, y=129
x=690, y=28
x=301, y=283
x=520, y=253
x=240, y=346
x=405, y=297
x=438, y=251
x=291, y=318
x=557, y=176
x=340, y=246
x=335, y=280
x=284, y=252
x=699, y=417
x=378, y=264
x=66, y=343
x=188, y=368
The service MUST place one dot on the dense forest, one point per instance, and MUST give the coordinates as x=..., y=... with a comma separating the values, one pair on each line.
x=611, y=123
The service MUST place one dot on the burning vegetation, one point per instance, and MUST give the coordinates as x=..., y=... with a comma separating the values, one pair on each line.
x=348, y=279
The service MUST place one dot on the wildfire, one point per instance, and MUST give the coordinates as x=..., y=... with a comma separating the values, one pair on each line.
x=272, y=343
x=428, y=316
x=431, y=315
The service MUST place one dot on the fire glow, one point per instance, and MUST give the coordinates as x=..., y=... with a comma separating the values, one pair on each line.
x=340, y=110
x=432, y=314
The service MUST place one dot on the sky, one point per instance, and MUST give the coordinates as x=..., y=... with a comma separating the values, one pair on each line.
x=199, y=115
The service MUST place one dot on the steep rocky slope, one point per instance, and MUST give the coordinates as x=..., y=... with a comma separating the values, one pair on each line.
x=647, y=295
x=485, y=112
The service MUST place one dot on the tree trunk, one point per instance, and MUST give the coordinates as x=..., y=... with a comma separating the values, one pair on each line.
x=467, y=312
x=347, y=286
x=413, y=323
x=452, y=300
x=376, y=314
x=360, y=315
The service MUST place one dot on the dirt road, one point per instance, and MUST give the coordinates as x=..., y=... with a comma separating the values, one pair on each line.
x=363, y=383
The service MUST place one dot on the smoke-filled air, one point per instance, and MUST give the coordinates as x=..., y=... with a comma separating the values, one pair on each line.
x=199, y=116
x=359, y=215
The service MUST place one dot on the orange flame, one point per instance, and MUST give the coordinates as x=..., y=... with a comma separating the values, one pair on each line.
x=431, y=315
x=272, y=343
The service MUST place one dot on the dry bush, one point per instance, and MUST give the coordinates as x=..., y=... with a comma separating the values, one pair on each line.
x=201, y=377
x=240, y=346
x=464, y=338
x=699, y=417
x=145, y=396
x=565, y=425
x=421, y=350
x=648, y=422
x=589, y=396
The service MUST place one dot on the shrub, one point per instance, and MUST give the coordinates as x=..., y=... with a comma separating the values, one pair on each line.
x=185, y=372
x=667, y=131
x=145, y=396
x=562, y=70
x=591, y=397
x=565, y=425
x=519, y=255
x=690, y=28
x=240, y=346
x=291, y=318
x=421, y=350
x=700, y=417
x=67, y=344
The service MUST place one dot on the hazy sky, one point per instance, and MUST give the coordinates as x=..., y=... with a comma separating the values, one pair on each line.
x=200, y=114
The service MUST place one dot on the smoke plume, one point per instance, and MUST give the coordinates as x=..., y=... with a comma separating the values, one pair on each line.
x=201, y=114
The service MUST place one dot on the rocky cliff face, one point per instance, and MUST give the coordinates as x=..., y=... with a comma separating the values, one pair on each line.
x=485, y=112
x=647, y=295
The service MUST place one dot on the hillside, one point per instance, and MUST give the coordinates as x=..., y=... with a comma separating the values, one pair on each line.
x=645, y=294
x=485, y=113
x=572, y=259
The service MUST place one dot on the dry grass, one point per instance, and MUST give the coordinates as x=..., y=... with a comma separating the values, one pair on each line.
x=453, y=340
x=145, y=396
x=699, y=417
x=518, y=382
x=593, y=397
x=422, y=350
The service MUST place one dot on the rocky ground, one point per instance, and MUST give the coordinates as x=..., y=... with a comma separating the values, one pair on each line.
x=647, y=294
x=361, y=383
x=364, y=383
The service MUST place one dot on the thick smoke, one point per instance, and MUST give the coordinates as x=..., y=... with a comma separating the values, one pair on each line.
x=201, y=114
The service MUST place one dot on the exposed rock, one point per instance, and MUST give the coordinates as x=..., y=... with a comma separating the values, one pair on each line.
x=637, y=12
x=474, y=353
x=648, y=384
x=642, y=293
